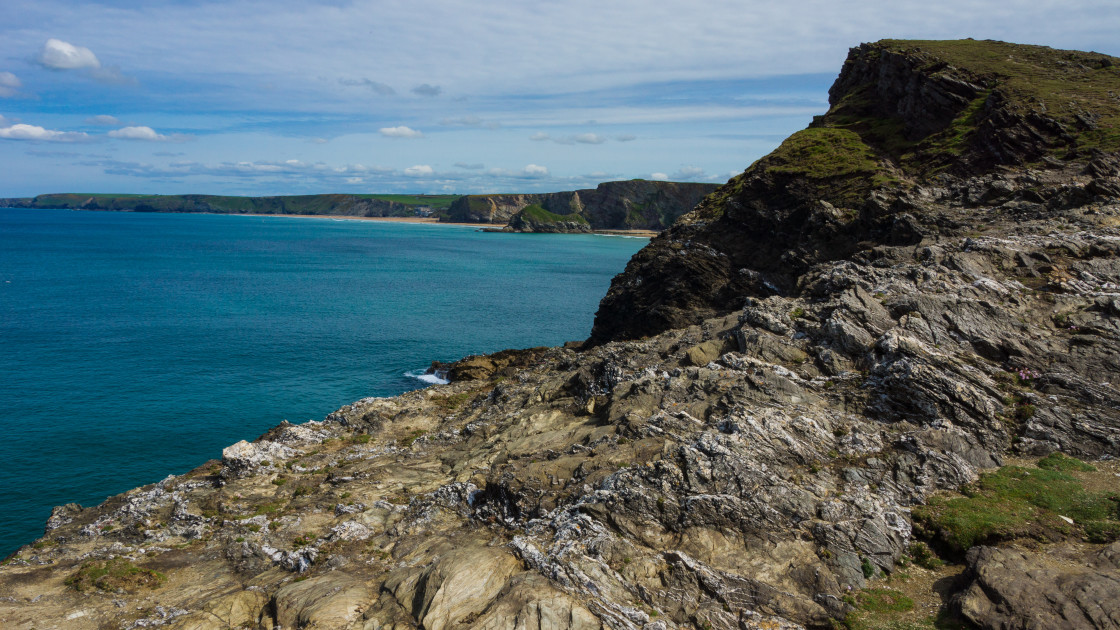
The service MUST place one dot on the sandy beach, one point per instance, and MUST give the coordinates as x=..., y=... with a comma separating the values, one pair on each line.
x=491, y=227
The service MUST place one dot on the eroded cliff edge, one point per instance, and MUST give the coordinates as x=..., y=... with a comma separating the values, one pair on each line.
x=792, y=444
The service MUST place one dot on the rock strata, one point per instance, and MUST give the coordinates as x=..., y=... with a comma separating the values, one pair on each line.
x=752, y=458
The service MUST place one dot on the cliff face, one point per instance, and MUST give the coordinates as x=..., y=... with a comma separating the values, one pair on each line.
x=624, y=205
x=917, y=132
x=882, y=427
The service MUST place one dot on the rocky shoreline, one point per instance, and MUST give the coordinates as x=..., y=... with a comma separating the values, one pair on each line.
x=873, y=382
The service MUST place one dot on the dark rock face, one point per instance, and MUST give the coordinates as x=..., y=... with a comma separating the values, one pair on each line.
x=910, y=138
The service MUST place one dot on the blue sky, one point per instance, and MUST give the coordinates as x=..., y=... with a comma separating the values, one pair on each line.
x=442, y=96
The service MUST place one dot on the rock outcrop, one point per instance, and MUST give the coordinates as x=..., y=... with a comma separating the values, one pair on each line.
x=923, y=139
x=624, y=205
x=777, y=450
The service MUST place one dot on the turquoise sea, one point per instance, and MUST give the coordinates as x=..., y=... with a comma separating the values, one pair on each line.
x=134, y=346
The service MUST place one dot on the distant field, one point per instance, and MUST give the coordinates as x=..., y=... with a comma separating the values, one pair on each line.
x=437, y=202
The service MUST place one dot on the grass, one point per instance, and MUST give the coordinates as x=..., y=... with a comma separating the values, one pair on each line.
x=878, y=608
x=1016, y=501
x=823, y=153
x=114, y=575
x=536, y=214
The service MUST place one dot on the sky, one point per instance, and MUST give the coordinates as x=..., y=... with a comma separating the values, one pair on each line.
x=278, y=97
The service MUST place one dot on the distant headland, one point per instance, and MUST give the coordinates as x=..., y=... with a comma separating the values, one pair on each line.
x=635, y=205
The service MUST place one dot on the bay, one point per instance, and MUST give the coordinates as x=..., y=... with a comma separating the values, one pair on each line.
x=134, y=346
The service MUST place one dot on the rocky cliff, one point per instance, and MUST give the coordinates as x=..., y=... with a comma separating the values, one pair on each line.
x=901, y=411
x=623, y=205
x=923, y=140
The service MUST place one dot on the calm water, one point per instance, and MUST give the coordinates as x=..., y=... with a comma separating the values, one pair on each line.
x=133, y=346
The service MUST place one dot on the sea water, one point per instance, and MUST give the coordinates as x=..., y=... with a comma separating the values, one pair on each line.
x=134, y=346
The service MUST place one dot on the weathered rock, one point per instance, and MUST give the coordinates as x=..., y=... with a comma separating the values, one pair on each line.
x=1061, y=589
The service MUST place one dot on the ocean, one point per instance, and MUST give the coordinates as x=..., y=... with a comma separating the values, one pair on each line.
x=135, y=346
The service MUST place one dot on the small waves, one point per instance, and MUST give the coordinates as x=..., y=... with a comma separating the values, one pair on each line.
x=423, y=375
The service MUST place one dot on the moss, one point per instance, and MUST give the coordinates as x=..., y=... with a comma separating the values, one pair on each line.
x=823, y=153
x=1064, y=463
x=1020, y=502
x=114, y=575
x=880, y=608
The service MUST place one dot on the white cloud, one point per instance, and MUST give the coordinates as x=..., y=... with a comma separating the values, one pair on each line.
x=103, y=119
x=35, y=133
x=427, y=90
x=659, y=177
x=9, y=84
x=532, y=170
x=318, y=141
x=626, y=137
x=400, y=132
x=540, y=136
x=138, y=133
x=420, y=170
x=476, y=166
x=59, y=55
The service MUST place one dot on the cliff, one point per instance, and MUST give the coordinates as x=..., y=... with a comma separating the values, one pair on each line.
x=332, y=204
x=922, y=139
x=623, y=205
x=876, y=387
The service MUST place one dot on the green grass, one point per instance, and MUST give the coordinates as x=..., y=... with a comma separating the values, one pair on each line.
x=113, y=575
x=1021, y=502
x=1064, y=463
x=536, y=214
x=823, y=153
x=877, y=608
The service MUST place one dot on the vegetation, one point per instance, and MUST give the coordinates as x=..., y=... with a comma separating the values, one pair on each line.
x=1015, y=502
x=533, y=213
x=878, y=608
x=114, y=575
